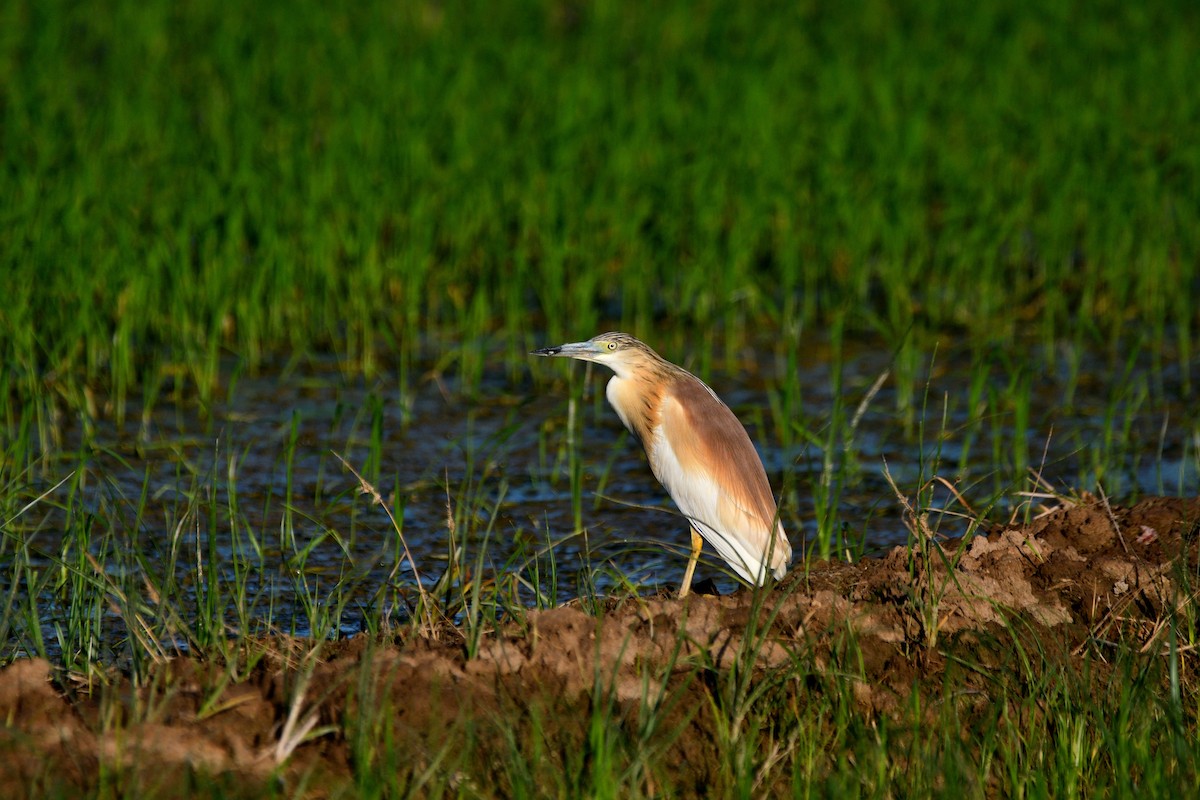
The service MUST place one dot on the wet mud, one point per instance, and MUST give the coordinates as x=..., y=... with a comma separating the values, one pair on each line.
x=1081, y=575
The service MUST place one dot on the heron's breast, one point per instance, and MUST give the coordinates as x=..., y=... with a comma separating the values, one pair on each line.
x=636, y=405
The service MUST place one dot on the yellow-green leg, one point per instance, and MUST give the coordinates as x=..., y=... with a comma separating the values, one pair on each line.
x=697, y=543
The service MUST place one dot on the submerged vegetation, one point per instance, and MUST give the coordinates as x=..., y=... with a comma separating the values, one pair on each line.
x=948, y=257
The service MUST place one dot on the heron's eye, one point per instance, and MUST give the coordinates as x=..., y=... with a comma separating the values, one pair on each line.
x=612, y=345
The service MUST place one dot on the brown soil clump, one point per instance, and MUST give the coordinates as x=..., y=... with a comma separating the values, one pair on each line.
x=1079, y=574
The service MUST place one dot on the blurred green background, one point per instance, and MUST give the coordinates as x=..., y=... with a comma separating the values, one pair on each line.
x=410, y=182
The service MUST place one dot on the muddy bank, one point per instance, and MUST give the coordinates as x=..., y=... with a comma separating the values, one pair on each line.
x=294, y=715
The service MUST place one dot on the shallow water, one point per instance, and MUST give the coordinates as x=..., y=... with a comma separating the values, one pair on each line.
x=497, y=468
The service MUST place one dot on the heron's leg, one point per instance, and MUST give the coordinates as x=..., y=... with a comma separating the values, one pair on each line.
x=697, y=543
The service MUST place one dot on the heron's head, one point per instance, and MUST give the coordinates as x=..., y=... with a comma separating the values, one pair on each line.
x=620, y=352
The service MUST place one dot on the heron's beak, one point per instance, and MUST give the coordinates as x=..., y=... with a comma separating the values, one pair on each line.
x=586, y=351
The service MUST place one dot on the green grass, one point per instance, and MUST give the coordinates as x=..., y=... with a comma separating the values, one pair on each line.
x=396, y=184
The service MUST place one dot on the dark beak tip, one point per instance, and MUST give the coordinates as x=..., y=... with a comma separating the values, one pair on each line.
x=546, y=351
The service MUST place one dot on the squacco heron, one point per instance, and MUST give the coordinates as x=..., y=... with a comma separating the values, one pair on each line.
x=698, y=450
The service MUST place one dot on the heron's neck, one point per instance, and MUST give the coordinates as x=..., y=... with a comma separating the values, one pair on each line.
x=635, y=393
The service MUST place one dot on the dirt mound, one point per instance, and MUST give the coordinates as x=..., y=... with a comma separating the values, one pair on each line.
x=1072, y=575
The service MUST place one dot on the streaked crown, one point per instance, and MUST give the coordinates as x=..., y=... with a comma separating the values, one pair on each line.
x=615, y=342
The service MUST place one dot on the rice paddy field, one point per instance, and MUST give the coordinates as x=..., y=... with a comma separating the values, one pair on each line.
x=942, y=260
